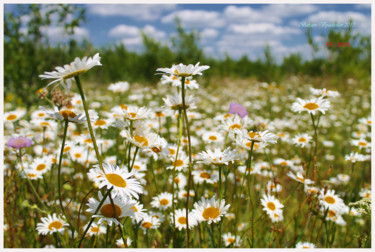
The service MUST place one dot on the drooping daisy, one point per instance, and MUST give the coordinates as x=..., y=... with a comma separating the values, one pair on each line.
x=271, y=205
x=304, y=245
x=272, y=187
x=301, y=140
x=300, y=178
x=149, y=222
x=230, y=239
x=276, y=217
x=51, y=224
x=311, y=106
x=95, y=229
x=180, y=219
x=162, y=201
x=182, y=70
x=175, y=102
x=68, y=72
x=217, y=157
x=121, y=181
x=66, y=114
x=119, y=87
x=122, y=208
x=210, y=210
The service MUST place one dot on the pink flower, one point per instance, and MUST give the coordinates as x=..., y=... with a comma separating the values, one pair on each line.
x=236, y=108
x=19, y=142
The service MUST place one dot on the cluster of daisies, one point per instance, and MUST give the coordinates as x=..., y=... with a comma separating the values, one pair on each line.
x=234, y=141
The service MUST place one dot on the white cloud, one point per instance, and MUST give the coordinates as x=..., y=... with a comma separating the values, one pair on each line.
x=247, y=14
x=263, y=28
x=136, y=11
x=209, y=33
x=196, y=18
x=57, y=34
x=122, y=30
x=288, y=10
x=151, y=31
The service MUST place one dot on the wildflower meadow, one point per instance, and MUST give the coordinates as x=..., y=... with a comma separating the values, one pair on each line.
x=185, y=160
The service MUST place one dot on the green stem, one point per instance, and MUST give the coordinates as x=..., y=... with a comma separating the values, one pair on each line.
x=190, y=160
x=78, y=82
x=135, y=154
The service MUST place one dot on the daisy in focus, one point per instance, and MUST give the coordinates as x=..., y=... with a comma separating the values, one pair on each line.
x=180, y=219
x=51, y=224
x=210, y=210
x=182, y=70
x=311, y=106
x=65, y=74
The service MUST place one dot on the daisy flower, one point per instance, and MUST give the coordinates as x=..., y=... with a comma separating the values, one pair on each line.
x=119, y=87
x=162, y=201
x=180, y=219
x=233, y=124
x=51, y=224
x=78, y=154
x=210, y=210
x=366, y=120
x=276, y=217
x=175, y=102
x=324, y=92
x=139, y=211
x=230, y=239
x=31, y=174
x=212, y=137
x=331, y=201
x=41, y=165
x=120, y=243
x=343, y=178
x=181, y=162
x=75, y=68
x=300, y=178
x=102, y=123
x=361, y=143
x=271, y=205
x=66, y=115
x=311, y=106
x=300, y=245
x=183, y=194
x=144, y=139
x=365, y=193
x=106, y=213
x=180, y=180
x=283, y=162
x=95, y=229
x=13, y=116
x=182, y=70
x=218, y=157
x=121, y=181
x=135, y=113
x=301, y=140
x=149, y=223
x=246, y=144
x=201, y=176
x=272, y=187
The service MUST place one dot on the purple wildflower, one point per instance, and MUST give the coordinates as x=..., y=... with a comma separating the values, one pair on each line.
x=19, y=142
x=236, y=108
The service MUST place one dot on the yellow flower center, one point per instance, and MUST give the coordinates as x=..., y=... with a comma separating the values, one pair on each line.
x=140, y=139
x=41, y=167
x=55, y=225
x=137, y=167
x=271, y=206
x=66, y=149
x=116, y=180
x=205, y=175
x=185, y=141
x=211, y=212
x=368, y=121
x=311, y=106
x=77, y=155
x=179, y=162
x=361, y=143
x=329, y=199
x=176, y=180
x=253, y=134
x=331, y=213
x=41, y=114
x=71, y=75
x=11, y=117
x=123, y=106
x=133, y=115
x=181, y=220
x=230, y=240
x=159, y=114
x=134, y=208
x=235, y=126
x=44, y=124
x=107, y=211
x=67, y=113
x=301, y=179
x=100, y=122
x=146, y=224
x=302, y=140
x=94, y=229
x=164, y=202
x=212, y=138
x=156, y=149
x=171, y=151
x=284, y=163
x=281, y=135
x=227, y=115
x=31, y=175
x=88, y=140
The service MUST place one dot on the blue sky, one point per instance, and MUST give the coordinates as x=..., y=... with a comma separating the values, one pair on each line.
x=234, y=29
